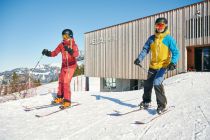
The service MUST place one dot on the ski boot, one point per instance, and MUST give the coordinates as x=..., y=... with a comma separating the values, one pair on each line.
x=161, y=109
x=144, y=105
x=57, y=101
x=65, y=104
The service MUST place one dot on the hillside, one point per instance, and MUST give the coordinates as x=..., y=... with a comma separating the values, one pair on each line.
x=96, y=119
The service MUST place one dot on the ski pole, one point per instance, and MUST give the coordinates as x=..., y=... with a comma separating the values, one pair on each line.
x=145, y=69
x=29, y=80
x=37, y=63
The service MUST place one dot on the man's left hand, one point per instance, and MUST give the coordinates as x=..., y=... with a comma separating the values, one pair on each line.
x=171, y=66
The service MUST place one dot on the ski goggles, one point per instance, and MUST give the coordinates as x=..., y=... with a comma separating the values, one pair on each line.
x=65, y=36
x=160, y=26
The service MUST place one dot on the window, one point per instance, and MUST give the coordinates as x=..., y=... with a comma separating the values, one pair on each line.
x=110, y=83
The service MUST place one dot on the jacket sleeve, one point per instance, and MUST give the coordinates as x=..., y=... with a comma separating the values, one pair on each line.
x=56, y=51
x=146, y=49
x=174, y=51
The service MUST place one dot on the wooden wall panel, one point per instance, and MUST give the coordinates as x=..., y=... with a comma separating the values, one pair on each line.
x=111, y=51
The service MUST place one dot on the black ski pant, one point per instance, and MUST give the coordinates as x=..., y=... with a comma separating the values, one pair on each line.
x=155, y=78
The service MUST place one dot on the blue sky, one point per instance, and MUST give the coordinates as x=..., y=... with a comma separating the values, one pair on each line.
x=29, y=26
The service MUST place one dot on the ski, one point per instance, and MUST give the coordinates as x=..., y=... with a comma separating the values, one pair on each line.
x=150, y=119
x=117, y=113
x=56, y=111
x=26, y=108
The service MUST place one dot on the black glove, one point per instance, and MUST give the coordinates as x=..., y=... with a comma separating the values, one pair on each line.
x=171, y=66
x=137, y=62
x=46, y=52
x=69, y=50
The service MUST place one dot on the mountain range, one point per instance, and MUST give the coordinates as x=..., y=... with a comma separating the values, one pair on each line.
x=44, y=73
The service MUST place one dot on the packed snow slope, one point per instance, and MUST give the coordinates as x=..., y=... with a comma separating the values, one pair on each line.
x=96, y=119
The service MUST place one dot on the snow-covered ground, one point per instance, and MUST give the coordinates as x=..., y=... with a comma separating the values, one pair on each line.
x=94, y=119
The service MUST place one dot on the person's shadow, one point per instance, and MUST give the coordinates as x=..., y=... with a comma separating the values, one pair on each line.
x=99, y=97
x=151, y=111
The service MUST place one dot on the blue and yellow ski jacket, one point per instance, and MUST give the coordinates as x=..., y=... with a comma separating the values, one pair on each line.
x=163, y=50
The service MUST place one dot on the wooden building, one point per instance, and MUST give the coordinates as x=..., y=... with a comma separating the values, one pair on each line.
x=111, y=51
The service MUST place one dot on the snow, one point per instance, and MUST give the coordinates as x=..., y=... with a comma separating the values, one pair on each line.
x=41, y=67
x=44, y=73
x=94, y=119
x=55, y=65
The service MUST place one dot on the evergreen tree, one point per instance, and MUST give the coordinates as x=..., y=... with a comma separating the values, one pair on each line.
x=14, y=82
x=79, y=70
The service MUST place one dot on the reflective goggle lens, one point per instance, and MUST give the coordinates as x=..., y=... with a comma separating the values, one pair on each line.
x=65, y=36
x=160, y=25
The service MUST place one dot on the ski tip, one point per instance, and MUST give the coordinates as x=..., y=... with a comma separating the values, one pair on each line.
x=114, y=114
x=139, y=122
x=27, y=110
x=116, y=111
x=38, y=116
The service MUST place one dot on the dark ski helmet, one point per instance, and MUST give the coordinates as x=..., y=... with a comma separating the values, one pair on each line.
x=161, y=20
x=68, y=32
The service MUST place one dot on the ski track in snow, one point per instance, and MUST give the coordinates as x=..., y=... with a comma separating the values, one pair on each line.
x=92, y=120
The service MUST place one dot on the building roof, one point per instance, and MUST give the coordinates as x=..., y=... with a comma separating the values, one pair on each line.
x=145, y=17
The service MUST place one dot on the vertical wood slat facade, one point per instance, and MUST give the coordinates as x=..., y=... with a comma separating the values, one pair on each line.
x=110, y=52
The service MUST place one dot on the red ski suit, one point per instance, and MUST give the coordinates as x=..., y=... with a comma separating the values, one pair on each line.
x=69, y=64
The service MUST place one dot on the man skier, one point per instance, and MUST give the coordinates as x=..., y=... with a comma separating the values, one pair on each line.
x=164, y=56
x=69, y=51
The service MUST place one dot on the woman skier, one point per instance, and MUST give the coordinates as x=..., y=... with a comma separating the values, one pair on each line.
x=69, y=51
